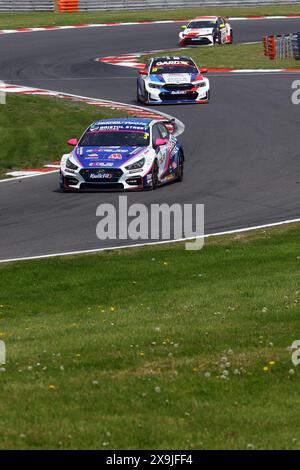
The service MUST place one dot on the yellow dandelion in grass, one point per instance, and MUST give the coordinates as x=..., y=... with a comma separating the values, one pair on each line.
x=142, y=354
x=265, y=369
x=272, y=363
x=52, y=387
x=2, y=334
x=78, y=355
x=1, y=306
x=165, y=263
x=195, y=369
x=112, y=309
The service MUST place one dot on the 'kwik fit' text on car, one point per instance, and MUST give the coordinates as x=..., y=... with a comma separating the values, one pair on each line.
x=172, y=80
x=123, y=154
x=206, y=30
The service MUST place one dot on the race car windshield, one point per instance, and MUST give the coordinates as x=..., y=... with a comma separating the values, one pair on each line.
x=173, y=68
x=202, y=24
x=117, y=138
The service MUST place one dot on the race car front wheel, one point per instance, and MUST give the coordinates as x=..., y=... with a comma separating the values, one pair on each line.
x=180, y=168
x=155, y=175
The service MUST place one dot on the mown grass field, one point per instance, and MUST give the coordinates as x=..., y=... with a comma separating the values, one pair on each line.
x=238, y=56
x=36, y=129
x=15, y=20
x=154, y=348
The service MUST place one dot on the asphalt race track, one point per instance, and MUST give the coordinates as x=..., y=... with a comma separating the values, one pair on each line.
x=242, y=150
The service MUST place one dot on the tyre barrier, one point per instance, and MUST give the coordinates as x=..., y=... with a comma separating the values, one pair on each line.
x=67, y=6
x=282, y=46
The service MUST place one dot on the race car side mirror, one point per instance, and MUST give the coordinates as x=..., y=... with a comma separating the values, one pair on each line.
x=143, y=72
x=203, y=70
x=184, y=26
x=73, y=142
x=160, y=142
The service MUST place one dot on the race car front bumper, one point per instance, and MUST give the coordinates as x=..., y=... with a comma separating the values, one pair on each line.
x=194, y=40
x=187, y=93
x=113, y=179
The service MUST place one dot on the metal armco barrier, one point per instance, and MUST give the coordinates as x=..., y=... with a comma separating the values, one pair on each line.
x=10, y=6
x=65, y=6
x=286, y=46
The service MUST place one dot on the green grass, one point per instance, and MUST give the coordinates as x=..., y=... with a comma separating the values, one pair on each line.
x=14, y=20
x=36, y=129
x=110, y=350
x=239, y=56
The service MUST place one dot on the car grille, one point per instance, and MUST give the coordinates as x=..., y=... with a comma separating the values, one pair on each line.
x=101, y=175
x=183, y=96
x=181, y=86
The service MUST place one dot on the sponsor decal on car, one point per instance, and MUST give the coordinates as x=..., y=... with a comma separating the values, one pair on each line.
x=100, y=164
x=115, y=156
x=101, y=175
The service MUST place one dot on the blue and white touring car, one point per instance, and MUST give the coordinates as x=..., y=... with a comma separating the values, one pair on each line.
x=172, y=80
x=122, y=154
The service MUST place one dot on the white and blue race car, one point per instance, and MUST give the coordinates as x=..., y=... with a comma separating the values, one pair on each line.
x=172, y=80
x=123, y=154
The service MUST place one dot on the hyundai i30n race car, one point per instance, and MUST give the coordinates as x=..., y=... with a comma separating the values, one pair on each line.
x=120, y=154
x=172, y=80
x=207, y=30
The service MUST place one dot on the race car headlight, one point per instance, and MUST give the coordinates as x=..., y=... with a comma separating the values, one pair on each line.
x=199, y=84
x=136, y=165
x=71, y=165
x=155, y=85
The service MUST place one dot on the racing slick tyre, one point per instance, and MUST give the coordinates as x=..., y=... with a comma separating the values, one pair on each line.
x=180, y=168
x=155, y=175
x=217, y=39
x=146, y=97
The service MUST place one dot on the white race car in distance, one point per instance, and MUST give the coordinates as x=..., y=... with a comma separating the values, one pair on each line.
x=206, y=30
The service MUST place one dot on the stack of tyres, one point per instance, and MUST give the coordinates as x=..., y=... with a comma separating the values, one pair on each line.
x=296, y=46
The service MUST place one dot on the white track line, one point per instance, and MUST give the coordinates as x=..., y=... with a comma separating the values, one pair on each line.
x=141, y=245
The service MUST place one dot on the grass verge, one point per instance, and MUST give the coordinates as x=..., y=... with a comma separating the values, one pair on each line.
x=238, y=56
x=15, y=20
x=127, y=349
x=36, y=129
